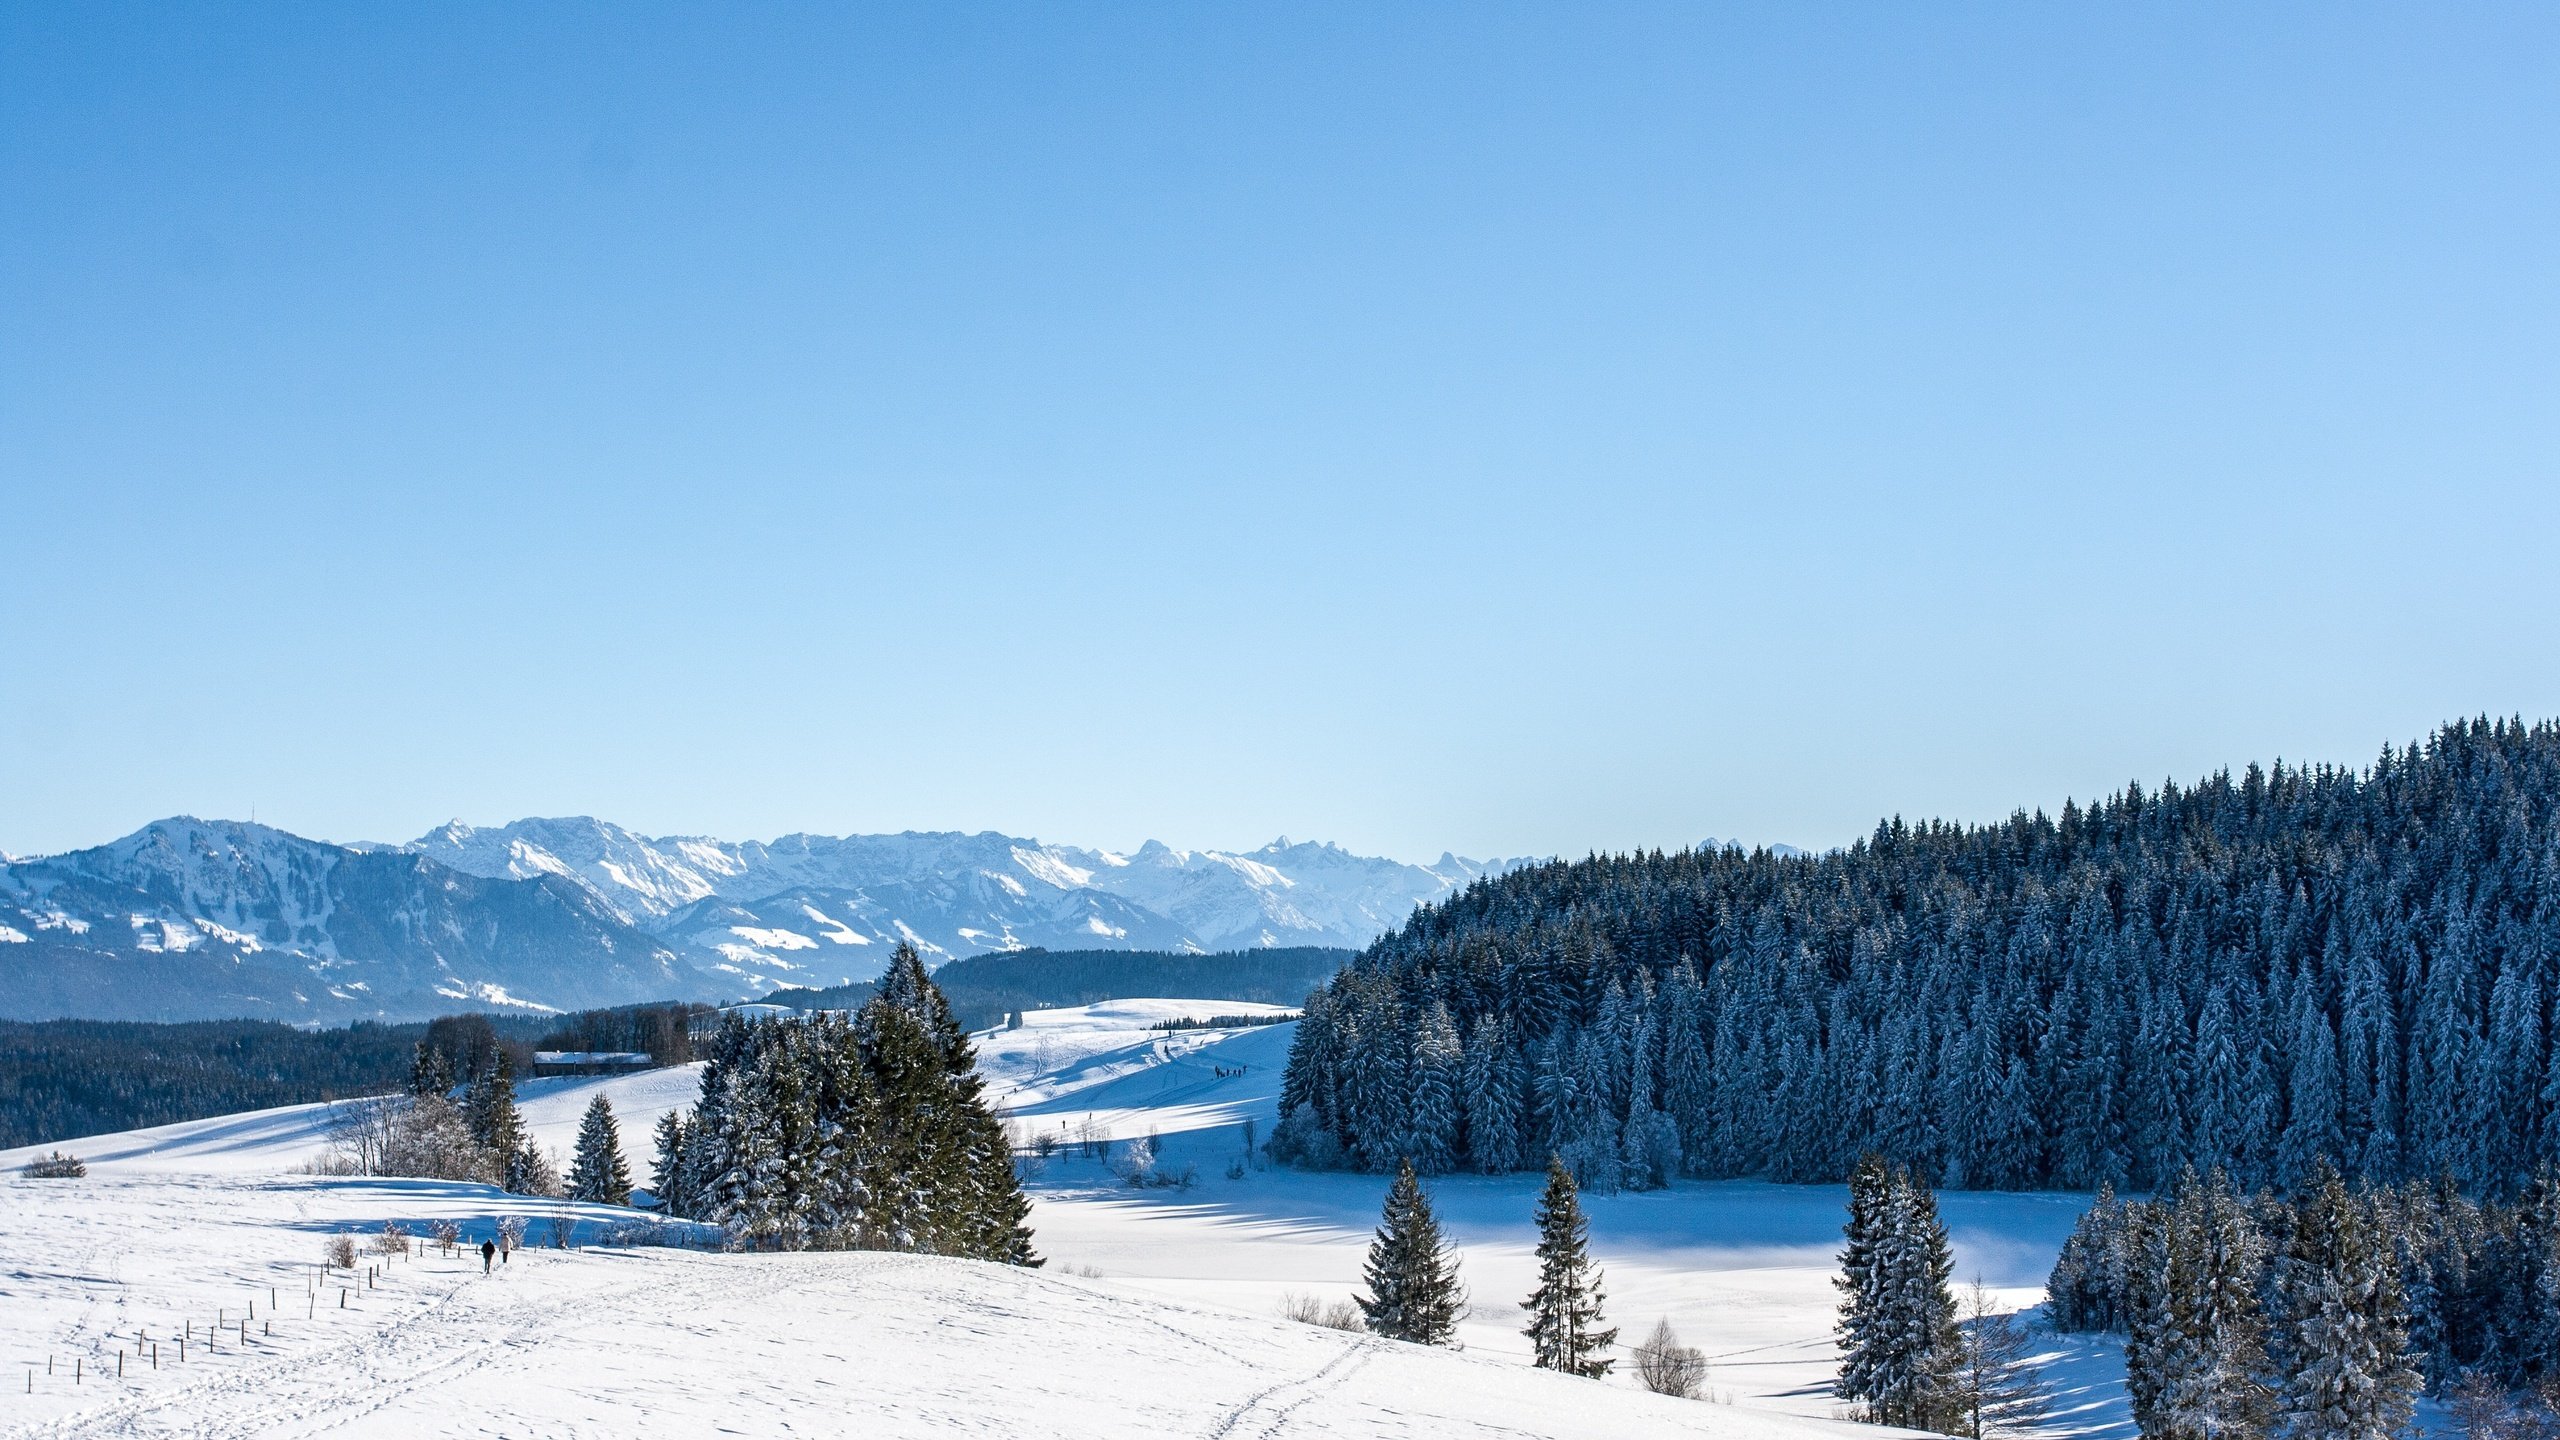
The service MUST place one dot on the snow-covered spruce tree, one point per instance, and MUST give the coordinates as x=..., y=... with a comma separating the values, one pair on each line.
x=1920, y=1265
x=597, y=1171
x=531, y=1172
x=1491, y=1080
x=2348, y=1374
x=2085, y=1292
x=1565, y=1331
x=430, y=1070
x=958, y=1166
x=1898, y=1339
x=1413, y=1278
x=2196, y=1360
x=1432, y=1132
x=667, y=1176
x=1865, y=1327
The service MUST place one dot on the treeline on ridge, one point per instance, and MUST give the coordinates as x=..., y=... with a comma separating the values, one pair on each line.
x=64, y=1078
x=2251, y=973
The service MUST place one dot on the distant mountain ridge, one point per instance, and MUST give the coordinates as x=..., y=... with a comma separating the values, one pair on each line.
x=803, y=908
x=189, y=919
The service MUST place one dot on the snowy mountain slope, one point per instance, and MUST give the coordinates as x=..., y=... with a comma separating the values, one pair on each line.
x=963, y=894
x=188, y=919
x=822, y=937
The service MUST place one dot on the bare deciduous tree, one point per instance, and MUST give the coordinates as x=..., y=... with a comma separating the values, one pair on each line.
x=1668, y=1367
x=360, y=1131
x=1998, y=1390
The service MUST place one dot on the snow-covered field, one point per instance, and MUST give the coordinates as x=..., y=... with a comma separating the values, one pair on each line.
x=1157, y=1314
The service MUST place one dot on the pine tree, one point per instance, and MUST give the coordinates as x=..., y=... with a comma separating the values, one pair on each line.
x=1565, y=1321
x=669, y=1177
x=1864, y=1327
x=1898, y=1338
x=1431, y=1142
x=490, y=1110
x=430, y=1070
x=598, y=1172
x=2349, y=1375
x=1413, y=1277
x=2200, y=1346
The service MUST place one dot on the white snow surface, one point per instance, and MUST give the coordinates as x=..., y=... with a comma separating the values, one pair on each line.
x=1156, y=1315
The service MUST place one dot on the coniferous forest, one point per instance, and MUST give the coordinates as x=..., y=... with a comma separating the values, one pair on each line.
x=2251, y=973
x=836, y=1132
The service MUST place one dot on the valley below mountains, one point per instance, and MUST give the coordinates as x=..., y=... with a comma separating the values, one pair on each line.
x=201, y=919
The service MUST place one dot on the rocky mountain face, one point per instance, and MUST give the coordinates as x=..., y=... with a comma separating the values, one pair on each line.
x=191, y=919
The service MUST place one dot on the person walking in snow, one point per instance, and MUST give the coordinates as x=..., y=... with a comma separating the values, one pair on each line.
x=488, y=1252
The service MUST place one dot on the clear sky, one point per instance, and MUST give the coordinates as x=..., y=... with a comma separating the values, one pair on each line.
x=1515, y=429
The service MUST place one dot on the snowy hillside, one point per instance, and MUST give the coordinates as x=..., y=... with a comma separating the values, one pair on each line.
x=1177, y=1332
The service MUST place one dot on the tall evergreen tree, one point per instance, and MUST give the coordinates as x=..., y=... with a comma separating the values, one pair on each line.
x=2348, y=1374
x=1565, y=1330
x=598, y=1172
x=669, y=1177
x=1900, y=1350
x=1413, y=1278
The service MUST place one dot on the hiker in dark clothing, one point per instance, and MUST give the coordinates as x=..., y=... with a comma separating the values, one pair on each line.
x=488, y=1252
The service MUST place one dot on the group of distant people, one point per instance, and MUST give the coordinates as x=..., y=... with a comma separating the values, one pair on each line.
x=1227, y=1071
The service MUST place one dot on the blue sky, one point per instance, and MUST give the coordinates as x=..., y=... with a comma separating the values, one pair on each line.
x=1508, y=428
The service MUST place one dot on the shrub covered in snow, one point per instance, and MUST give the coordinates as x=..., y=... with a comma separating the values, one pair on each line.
x=56, y=1166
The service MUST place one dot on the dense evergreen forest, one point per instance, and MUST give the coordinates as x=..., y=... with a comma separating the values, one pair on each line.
x=2253, y=972
x=63, y=1078
x=983, y=989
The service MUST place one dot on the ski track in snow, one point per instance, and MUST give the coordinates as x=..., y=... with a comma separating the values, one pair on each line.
x=1157, y=1316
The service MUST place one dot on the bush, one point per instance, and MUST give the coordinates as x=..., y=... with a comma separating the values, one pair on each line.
x=1134, y=1161
x=428, y=1139
x=511, y=1234
x=447, y=1235
x=394, y=1239
x=56, y=1166
x=340, y=1251
x=1309, y=1310
x=1668, y=1367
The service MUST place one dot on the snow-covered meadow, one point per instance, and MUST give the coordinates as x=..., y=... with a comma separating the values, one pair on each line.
x=1158, y=1312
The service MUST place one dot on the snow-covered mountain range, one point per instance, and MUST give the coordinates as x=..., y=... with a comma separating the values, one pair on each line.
x=191, y=918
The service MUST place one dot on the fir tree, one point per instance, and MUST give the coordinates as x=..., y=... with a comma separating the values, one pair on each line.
x=669, y=1176
x=430, y=1070
x=597, y=1172
x=1865, y=1325
x=2349, y=1374
x=1413, y=1278
x=1564, y=1329
x=490, y=1110
x=1898, y=1340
